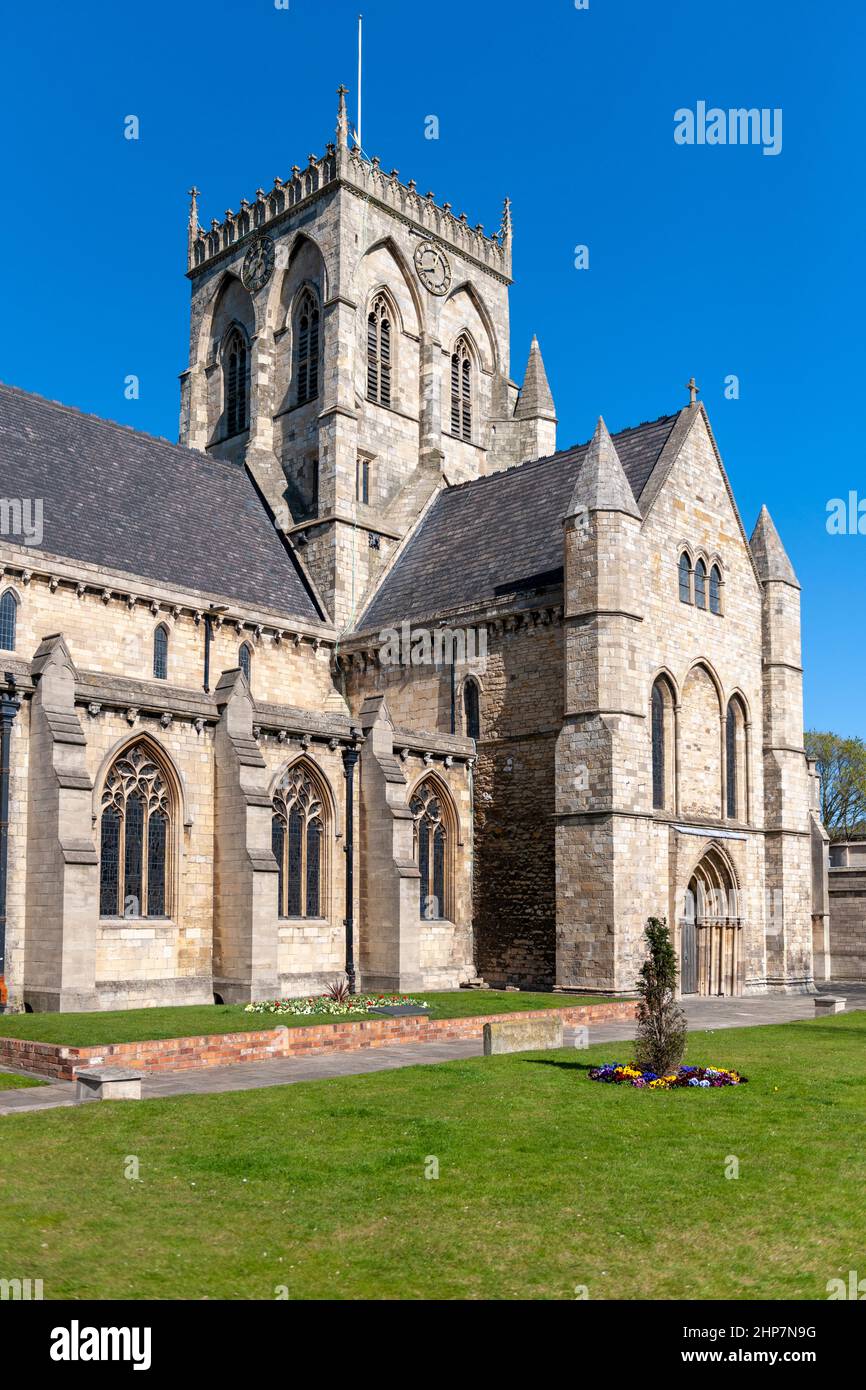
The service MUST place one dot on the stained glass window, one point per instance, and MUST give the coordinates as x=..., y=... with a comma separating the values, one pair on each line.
x=471, y=709
x=379, y=352
x=461, y=391
x=685, y=579
x=430, y=851
x=715, y=590
x=297, y=840
x=700, y=584
x=8, y=618
x=160, y=654
x=245, y=660
x=135, y=838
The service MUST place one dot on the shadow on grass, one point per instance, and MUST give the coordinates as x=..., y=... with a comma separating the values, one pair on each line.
x=566, y=1066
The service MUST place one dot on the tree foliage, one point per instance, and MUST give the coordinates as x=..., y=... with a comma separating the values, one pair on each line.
x=661, y=1023
x=842, y=775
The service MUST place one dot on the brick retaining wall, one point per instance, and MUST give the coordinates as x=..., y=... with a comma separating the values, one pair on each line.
x=224, y=1049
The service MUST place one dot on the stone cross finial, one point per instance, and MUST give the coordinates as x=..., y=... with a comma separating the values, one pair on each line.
x=693, y=389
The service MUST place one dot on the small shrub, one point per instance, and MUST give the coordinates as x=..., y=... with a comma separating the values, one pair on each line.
x=338, y=990
x=661, y=1024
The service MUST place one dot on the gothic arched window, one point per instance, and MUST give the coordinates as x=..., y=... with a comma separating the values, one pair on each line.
x=685, y=578
x=8, y=620
x=160, y=653
x=307, y=337
x=297, y=839
x=715, y=590
x=431, y=850
x=136, y=840
x=461, y=391
x=662, y=734
x=471, y=709
x=700, y=585
x=379, y=356
x=236, y=381
x=735, y=760
x=245, y=660
x=658, y=718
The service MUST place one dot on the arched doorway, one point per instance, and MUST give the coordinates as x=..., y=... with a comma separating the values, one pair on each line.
x=710, y=928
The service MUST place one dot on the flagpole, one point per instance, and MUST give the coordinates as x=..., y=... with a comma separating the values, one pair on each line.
x=360, y=51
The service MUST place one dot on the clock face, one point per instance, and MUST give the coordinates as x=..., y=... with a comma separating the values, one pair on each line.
x=258, y=263
x=433, y=268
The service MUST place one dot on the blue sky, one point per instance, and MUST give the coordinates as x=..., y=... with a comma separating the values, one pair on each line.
x=712, y=260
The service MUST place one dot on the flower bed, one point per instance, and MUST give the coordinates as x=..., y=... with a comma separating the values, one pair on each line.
x=704, y=1077
x=336, y=1008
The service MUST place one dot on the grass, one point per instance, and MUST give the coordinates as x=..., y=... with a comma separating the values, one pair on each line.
x=546, y=1182
x=191, y=1020
x=12, y=1081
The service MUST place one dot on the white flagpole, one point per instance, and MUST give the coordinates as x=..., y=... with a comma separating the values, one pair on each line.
x=360, y=49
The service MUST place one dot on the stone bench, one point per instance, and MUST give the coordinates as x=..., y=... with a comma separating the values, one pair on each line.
x=108, y=1083
x=829, y=1004
x=522, y=1035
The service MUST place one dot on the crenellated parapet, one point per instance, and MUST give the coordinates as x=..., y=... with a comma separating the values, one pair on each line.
x=351, y=168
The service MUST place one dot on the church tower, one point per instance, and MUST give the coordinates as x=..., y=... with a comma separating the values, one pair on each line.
x=349, y=344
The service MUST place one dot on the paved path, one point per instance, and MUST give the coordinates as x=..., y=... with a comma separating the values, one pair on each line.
x=701, y=1013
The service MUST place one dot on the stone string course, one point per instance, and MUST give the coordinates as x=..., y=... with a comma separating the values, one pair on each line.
x=224, y=1049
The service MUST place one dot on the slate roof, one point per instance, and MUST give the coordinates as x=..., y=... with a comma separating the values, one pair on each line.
x=495, y=534
x=129, y=501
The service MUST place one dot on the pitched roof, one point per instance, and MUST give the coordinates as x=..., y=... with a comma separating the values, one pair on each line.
x=131, y=502
x=495, y=534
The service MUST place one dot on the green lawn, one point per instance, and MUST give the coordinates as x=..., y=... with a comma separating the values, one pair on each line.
x=546, y=1182
x=11, y=1081
x=137, y=1025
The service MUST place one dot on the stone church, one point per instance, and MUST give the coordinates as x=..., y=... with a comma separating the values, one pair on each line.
x=364, y=675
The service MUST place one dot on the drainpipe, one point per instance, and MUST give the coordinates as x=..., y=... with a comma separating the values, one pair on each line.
x=350, y=758
x=10, y=703
x=208, y=638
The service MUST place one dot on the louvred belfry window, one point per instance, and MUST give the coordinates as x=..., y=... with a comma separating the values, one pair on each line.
x=379, y=352
x=297, y=839
x=136, y=860
x=430, y=851
x=461, y=391
x=308, y=349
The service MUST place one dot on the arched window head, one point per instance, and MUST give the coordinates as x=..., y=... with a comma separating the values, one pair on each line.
x=160, y=653
x=715, y=590
x=461, y=391
x=236, y=382
x=431, y=851
x=471, y=709
x=298, y=842
x=307, y=338
x=662, y=735
x=8, y=621
x=379, y=351
x=685, y=578
x=735, y=761
x=138, y=815
x=245, y=660
x=700, y=585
